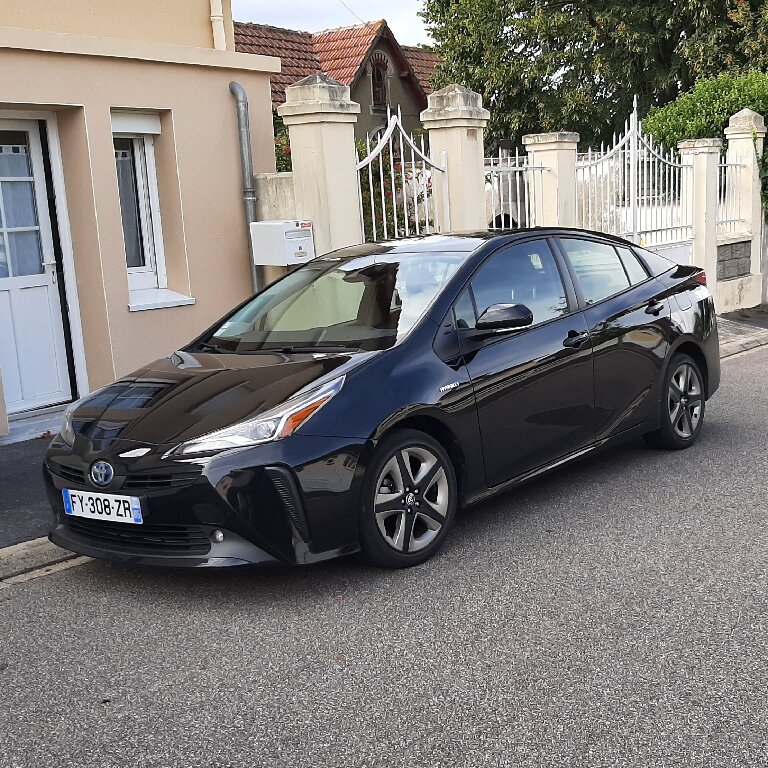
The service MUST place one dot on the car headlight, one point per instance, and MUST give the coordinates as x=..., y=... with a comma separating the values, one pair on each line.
x=67, y=431
x=274, y=424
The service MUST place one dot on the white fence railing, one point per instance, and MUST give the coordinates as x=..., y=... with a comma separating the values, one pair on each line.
x=635, y=188
x=395, y=190
x=730, y=218
x=512, y=191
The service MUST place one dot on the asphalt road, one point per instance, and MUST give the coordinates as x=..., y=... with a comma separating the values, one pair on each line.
x=613, y=614
x=24, y=511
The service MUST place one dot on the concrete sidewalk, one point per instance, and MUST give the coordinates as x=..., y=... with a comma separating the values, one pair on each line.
x=743, y=330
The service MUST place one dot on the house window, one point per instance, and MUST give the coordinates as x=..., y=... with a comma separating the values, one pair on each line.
x=379, y=66
x=133, y=138
x=142, y=232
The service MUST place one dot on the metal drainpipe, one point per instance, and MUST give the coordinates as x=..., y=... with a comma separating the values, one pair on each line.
x=249, y=188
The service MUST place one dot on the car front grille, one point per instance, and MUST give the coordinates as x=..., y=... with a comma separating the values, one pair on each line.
x=145, y=538
x=149, y=480
x=171, y=477
x=72, y=474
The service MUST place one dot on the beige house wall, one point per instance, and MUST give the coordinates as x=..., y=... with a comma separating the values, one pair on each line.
x=175, y=22
x=198, y=175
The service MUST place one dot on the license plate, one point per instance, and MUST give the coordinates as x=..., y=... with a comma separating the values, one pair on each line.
x=103, y=506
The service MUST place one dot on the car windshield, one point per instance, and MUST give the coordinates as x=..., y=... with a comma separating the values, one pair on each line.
x=366, y=302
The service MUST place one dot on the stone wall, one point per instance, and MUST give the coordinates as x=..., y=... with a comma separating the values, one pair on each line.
x=734, y=259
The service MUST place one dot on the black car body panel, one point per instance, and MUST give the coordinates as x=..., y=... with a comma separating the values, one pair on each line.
x=505, y=407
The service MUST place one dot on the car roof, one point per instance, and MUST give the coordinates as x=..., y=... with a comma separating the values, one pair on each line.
x=458, y=242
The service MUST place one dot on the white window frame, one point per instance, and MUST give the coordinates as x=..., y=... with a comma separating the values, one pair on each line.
x=153, y=274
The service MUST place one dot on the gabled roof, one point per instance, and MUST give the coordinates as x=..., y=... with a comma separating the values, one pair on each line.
x=424, y=62
x=342, y=51
x=339, y=53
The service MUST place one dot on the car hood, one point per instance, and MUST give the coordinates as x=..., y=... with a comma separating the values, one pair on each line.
x=188, y=395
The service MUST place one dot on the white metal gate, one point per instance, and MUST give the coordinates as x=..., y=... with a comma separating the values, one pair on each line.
x=513, y=191
x=637, y=189
x=395, y=180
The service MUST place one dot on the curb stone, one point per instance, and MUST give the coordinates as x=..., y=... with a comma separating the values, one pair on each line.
x=29, y=556
x=743, y=344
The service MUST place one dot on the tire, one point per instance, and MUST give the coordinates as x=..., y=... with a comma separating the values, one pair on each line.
x=401, y=528
x=682, y=405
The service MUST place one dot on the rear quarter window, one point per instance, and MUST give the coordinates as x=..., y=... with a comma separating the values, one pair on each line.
x=634, y=267
x=656, y=264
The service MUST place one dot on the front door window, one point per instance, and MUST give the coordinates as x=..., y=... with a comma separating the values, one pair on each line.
x=20, y=246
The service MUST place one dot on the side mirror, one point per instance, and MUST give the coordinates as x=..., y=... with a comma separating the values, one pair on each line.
x=505, y=317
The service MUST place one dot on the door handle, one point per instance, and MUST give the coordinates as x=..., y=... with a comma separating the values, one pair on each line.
x=575, y=339
x=655, y=308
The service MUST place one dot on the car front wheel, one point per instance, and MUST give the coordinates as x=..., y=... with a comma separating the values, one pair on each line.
x=410, y=500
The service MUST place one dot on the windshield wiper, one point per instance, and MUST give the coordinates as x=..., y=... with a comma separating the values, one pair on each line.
x=319, y=349
x=204, y=346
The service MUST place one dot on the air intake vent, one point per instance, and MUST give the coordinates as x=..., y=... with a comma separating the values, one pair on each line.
x=286, y=489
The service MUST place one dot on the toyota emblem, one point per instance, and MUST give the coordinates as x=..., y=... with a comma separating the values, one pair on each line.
x=102, y=473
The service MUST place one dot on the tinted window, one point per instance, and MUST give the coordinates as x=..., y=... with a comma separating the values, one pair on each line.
x=367, y=302
x=598, y=268
x=634, y=269
x=523, y=274
x=658, y=265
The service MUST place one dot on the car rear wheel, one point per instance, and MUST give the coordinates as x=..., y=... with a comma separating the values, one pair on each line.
x=682, y=405
x=409, y=500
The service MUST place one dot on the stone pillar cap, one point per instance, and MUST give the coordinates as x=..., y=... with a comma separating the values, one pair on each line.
x=558, y=137
x=694, y=146
x=746, y=121
x=318, y=94
x=455, y=106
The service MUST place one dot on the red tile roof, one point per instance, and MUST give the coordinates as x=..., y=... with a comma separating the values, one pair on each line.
x=339, y=53
x=294, y=48
x=342, y=51
x=424, y=62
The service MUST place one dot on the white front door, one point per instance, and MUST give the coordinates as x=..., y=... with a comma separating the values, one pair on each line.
x=33, y=356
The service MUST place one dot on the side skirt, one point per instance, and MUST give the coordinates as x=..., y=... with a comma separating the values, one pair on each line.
x=640, y=429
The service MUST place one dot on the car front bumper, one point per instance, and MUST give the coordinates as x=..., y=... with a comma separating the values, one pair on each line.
x=292, y=502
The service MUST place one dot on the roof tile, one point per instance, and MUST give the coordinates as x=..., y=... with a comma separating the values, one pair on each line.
x=424, y=62
x=337, y=52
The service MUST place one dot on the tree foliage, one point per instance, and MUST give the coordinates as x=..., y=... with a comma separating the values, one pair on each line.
x=544, y=66
x=704, y=111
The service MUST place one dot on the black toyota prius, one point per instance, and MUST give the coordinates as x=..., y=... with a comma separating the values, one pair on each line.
x=357, y=402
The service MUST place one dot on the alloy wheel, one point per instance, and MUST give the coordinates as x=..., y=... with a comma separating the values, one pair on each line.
x=685, y=401
x=412, y=499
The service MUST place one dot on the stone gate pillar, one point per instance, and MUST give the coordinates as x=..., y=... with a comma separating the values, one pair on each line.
x=455, y=119
x=321, y=118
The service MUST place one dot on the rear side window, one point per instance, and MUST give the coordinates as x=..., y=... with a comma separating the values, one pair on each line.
x=597, y=267
x=658, y=265
x=635, y=270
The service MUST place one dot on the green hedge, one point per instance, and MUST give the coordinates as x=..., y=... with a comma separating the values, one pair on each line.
x=704, y=111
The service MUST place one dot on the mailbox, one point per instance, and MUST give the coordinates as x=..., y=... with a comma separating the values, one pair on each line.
x=282, y=243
